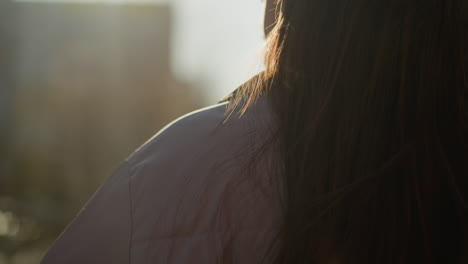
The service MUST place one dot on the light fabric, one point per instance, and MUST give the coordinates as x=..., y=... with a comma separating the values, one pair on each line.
x=184, y=196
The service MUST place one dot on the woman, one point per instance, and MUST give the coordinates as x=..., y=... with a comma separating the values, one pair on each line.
x=350, y=147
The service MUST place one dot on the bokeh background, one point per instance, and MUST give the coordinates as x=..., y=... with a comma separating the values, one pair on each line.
x=85, y=83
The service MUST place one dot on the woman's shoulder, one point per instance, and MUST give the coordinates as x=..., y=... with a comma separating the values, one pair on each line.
x=181, y=179
x=211, y=128
x=171, y=201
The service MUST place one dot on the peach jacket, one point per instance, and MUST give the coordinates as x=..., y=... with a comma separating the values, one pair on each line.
x=183, y=197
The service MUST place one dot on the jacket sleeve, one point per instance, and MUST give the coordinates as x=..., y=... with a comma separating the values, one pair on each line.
x=169, y=201
x=100, y=233
x=158, y=206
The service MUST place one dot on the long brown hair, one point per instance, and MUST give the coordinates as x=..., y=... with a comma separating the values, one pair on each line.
x=371, y=102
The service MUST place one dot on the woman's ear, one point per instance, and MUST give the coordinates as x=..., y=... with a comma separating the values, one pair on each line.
x=269, y=20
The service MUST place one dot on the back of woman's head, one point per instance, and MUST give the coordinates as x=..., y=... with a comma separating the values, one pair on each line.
x=371, y=101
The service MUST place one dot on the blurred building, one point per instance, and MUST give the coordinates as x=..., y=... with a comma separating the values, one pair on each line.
x=91, y=83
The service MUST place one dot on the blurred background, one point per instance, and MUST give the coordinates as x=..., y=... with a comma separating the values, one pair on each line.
x=85, y=83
